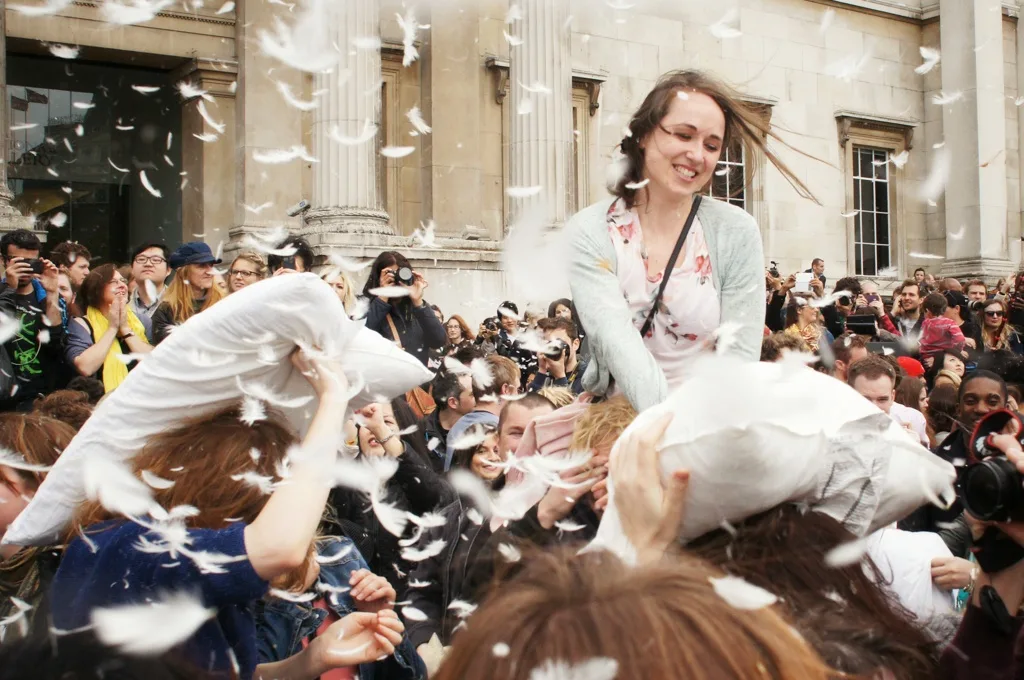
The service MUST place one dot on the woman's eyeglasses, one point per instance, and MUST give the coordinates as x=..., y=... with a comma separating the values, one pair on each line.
x=241, y=272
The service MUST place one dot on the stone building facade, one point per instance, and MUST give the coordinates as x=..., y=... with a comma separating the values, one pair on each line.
x=209, y=121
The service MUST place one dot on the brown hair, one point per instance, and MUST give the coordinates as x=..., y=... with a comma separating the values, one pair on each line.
x=550, y=323
x=178, y=295
x=68, y=406
x=871, y=367
x=67, y=253
x=911, y=282
x=40, y=440
x=504, y=371
x=841, y=611
x=843, y=346
x=531, y=402
x=741, y=122
x=975, y=282
x=942, y=407
x=467, y=332
x=91, y=293
x=1001, y=338
x=909, y=392
x=225, y=449
x=773, y=345
x=602, y=424
x=660, y=621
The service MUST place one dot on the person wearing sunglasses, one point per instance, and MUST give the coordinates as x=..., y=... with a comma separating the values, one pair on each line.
x=996, y=332
x=149, y=270
x=247, y=268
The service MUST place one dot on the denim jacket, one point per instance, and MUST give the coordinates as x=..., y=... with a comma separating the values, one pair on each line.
x=281, y=626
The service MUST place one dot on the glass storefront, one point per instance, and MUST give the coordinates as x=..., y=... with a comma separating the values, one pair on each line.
x=84, y=141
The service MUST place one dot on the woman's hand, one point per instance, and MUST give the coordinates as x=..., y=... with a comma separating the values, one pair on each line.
x=358, y=638
x=326, y=377
x=122, y=304
x=951, y=573
x=650, y=509
x=558, y=502
x=418, y=287
x=373, y=420
x=113, y=315
x=371, y=593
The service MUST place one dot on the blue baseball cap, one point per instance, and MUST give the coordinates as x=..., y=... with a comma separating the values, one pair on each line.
x=195, y=252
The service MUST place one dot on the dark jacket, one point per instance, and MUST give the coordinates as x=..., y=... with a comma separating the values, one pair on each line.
x=953, y=449
x=982, y=650
x=915, y=331
x=513, y=349
x=573, y=381
x=419, y=331
x=437, y=439
x=38, y=363
x=415, y=488
x=163, y=320
x=775, y=314
x=282, y=626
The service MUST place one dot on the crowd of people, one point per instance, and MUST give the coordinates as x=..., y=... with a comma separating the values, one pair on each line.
x=449, y=543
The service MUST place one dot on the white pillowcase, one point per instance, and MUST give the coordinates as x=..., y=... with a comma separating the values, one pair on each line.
x=755, y=435
x=243, y=341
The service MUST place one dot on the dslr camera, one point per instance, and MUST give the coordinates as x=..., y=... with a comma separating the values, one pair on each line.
x=404, y=276
x=774, y=271
x=990, y=487
x=556, y=350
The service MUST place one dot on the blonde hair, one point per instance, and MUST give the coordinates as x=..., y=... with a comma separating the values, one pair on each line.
x=558, y=396
x=602, y=424
x=332, y=273
x=180, y=299
x=253, y=258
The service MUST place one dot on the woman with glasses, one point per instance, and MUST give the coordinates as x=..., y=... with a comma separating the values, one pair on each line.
x=458, y=333
x=191, y=291
x=646, y=311
x=99, y=341
x=247, y=268
x=996, y=332
x=342, y=285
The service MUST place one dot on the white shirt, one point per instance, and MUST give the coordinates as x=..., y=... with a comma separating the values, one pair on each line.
x=904, y=415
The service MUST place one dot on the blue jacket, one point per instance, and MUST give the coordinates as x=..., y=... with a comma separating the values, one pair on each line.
x=119, y=573
x=281, y=626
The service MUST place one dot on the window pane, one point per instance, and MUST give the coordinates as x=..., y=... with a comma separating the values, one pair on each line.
x=867, y=201
x=883, y=258
x=867, y=227
x=859, y=257
x=881, y=171
x=856, y=162
x=870, y=266
x=882, y=197
x=882, y=228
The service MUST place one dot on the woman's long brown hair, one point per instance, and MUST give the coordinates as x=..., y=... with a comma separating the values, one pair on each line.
x=741, y=122
x=39, y=439
x=180, y=299
x=657, y=622
x=841, y=612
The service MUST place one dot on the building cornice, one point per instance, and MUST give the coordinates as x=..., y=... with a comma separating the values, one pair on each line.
x=224, y=20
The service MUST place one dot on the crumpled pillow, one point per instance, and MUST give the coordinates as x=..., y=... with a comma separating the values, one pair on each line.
x=241, y=343
x=756, y=435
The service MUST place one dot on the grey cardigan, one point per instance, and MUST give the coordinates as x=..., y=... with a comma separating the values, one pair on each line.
x=617, y=349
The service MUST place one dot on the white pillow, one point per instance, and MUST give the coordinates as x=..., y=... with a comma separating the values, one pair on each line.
x=755, y=435
x=245, y=339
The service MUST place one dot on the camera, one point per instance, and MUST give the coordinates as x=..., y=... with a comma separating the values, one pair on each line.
x=990, y=487
x=556, y=349
x=491, y=325
x=404, y=276
x=774, y=271
x=977, y=305
x=36, y=264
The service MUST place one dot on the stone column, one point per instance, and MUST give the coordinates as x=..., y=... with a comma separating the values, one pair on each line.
x=541, y=111
x=10, y=218
x=974, y=131
x=347, y=195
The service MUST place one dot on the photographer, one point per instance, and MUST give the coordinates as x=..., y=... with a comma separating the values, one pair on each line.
x=509, y=344
x=298, y=262
x=487, y=337
x=559, y=364
x=407, y=319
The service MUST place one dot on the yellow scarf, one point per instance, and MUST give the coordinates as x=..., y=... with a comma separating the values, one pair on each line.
x=114, y=369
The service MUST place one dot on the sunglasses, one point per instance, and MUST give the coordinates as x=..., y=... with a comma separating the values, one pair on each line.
x=997, y=313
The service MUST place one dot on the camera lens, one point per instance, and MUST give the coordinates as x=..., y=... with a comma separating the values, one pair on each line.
x=991, y=490
x=404, y=276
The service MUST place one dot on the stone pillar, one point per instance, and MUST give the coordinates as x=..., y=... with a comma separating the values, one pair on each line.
x=10, y=218
x=975, y=136
x=541, y=111
x=347, y=196
x=207, y=211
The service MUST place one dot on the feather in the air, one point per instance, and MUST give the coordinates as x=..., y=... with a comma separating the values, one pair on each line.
x=153, y=627
x=64, y=51
x=500, y=650
x=511, y=39
x=336, y=556
x=306, y=45
x=189, y=91
x=292, y=100
x=509, y=552
x=368, y=133
x=536, y=88
x=254, y=479
x=206, y=137
x=742, y=594
x=515, y=13
x=216, y=125
x=432, y=549
x=9, y=327
x=278, y=156
x=415, y=117
x=390, y=291
x=17, y=461
x=49, y=7
x=826, y=20
x=847, y=553
x=18, y=617
x=524, y=192
x=931, y=58
x=462, y=608
x=397, y=151
x=225, y=8
x=115, y=487
x=409, y=28
x=942, y=99
x=290, y=596
x=139, y=11
x=252, y=410
x=935, y=183
x=725, y=28
x=149, y=187
x=155, y=481
x=413, y=614
x=926, y=256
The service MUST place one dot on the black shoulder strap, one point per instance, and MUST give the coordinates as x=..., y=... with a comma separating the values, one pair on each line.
x=671, y=265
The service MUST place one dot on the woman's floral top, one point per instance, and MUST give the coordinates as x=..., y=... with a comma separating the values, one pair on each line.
x=689, y=312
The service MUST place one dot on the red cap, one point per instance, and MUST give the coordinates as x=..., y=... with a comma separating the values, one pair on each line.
x=911, y=366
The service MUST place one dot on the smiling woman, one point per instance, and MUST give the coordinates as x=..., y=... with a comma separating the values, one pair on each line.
x=662, y=270
x=191, y=291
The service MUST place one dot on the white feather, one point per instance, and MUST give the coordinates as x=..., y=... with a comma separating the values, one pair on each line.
x=724, y=28
x=368, y=133
x=512, y=40
x=433, y=549
x=258, y=390
x=397, y=151
x=935, y=183
x=926, y=256
x=633, y=186
x=335, y=557
x=305, y=45
x=465, y=483
x=826, y=20
x=289, y=596
x=523, y=192
x=216, y=125
x=252, y=410
x=509, y=552
x=742, y=594
x=462, y=608
x=390, y=291
x=481, y=372
x=471, y=438
x=409, y=28
x=149, y=187
x=942, y=99
x=931, y=58
x=156, y=481
x=391, y=518
x=536, y=88
x=515, y=13
x=293, y=101
x=189, y=91
x=64, y=51
x=428, y=519
x=49, y=7
x=416, y=119
x=256, y=480
x=500, y=650
x=847, y=553
x=16, y=461
x=139, y=11
x=569, y=527
x=9, y=327
x=598, y=668
x=278, y=156
x=225, y=8
x=206, y=137
x=115, y=487
x=153, y=627
x=413, y=614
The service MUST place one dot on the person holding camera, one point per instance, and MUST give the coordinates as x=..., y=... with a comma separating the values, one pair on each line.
x=487, y=336
x=509, y=344
x=559, y=364
x=299, y=261
x=31, y=296
x=405, y=319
